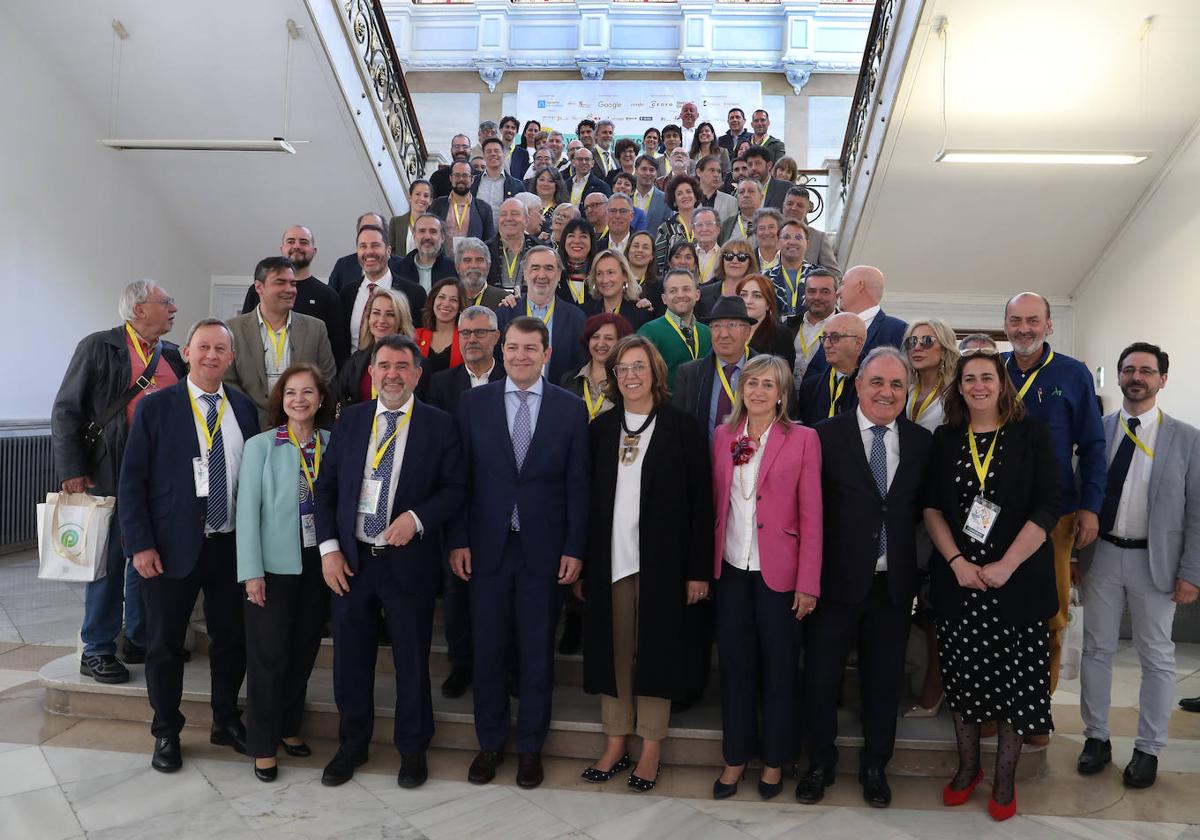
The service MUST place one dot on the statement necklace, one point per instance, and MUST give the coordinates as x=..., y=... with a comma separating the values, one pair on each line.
x=629, y=444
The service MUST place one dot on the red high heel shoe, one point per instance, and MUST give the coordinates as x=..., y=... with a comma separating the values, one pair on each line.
x=953, y=797
x=1002, y=812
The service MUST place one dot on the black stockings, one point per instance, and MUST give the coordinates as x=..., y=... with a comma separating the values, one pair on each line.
x=1008, y=753
x=967, y=735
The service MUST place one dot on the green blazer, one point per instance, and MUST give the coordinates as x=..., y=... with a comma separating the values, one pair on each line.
x=268, y=507
x=663, y=336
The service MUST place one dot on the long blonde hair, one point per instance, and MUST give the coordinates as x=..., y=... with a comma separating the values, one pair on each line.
x=758, y=366
x=945, y=339
x=404, y=320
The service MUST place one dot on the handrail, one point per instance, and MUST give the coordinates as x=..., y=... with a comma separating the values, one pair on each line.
x=868, y=78
x=386, y=30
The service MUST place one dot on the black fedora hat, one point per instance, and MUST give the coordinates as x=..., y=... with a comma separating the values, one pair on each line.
x=729, y=308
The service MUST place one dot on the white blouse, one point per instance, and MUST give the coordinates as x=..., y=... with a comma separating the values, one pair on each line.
x=741, y=527
x=627, y=504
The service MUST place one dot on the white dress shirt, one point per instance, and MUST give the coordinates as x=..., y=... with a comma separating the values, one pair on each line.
x=688, y=134
x=231, y=440
x=1133, y=511
x=809, y=332
x=275, y=365
x=868, y=315
x=627, y=502
x=741, y=528
x=891, y=445
x=476, y=381
x=360, y=303
x=934, y=414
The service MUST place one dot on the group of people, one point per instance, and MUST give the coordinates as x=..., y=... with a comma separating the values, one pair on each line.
x=538, y=417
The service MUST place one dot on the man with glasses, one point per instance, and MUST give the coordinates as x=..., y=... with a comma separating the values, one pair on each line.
x=820, y=299
x=487, y=130
x=677, y=335
x=705, y=387
x=585, y=182
x=541, y=270
x=463, y=213
x=618, y=215
x=861, y=292
x=460, y=149
x=472, y=261
x=749, y=199
x=832, y=392
x=797, y=204
x=89, y=425
x=594, y=210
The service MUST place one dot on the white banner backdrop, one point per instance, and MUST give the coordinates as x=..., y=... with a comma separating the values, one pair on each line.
x=633, y=106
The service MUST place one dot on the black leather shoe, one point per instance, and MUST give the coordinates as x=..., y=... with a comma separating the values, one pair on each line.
x=133, y=654
x=301, y=750
x=103, y=668
x=1141, y=771
x=1095, y=755
x=167, y=757
x=724, y=791
x=766, y=790
x=266, y=774
x=572, y=637
x=811, y=788
x=456, y=682
x=483, y=768
x=1190, y=704
x=340, y=768
x=876, y=792
x=529, y=770
x=413, y=770
x=233, y=735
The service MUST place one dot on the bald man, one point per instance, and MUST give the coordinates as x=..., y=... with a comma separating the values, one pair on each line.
x=832, y=393
x=861, y=292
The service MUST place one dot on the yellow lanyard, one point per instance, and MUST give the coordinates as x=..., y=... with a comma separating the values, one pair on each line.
x=310, y=477
x=1025, y=388
x=761, y=142
x=547, y=209
x=706, y=267
x=617, y=310
x=981, y=470
x=549, y=311
x=387, y=443
x=460, y=218
x=693, y=348
x=687, y=232
x=208, y=436
x=793, y=285
x=1136, y=440
x=593, y=411
x=816, y=340
x=642, y=203
x=915, y=413
x=137, y=348
x=835, y=396
x=511, y=265
x=577, y=192
x=278, y=342
x=742, y=225
x=763, y=265
x=724, y=381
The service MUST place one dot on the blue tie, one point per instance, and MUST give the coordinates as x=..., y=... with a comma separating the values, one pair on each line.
x=217, y=513
x=374, y=524
x=878, y=465
x=522, y=434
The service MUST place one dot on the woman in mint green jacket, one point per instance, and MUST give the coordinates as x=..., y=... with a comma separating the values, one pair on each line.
x=279, y=562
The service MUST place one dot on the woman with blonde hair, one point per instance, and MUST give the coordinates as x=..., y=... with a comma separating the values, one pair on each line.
x=737, y=261
x=387, y=313
x=611, y=288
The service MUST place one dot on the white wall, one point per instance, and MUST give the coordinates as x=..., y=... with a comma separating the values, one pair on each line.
x=1146, y=289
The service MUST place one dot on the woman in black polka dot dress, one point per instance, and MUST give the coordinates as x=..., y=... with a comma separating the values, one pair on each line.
x=993, y=501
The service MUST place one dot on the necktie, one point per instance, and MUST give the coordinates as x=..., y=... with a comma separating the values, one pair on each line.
x=366, y=311
x=374, y=524
x=1117, y=471
x=217, y=513
x=522, y=433
x=878, y=464
x=687, y=335
x=724, y=406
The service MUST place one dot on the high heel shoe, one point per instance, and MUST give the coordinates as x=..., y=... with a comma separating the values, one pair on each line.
x=637, y=783
x=301, y=750
x=1002, y=812
x=724, y=791
x=266, y=774
x=952, y=797
x=596, y=775
x=769, y=790
x=919, y=711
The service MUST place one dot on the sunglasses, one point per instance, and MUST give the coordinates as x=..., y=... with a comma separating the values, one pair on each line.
x=988, y=352
x=922, y=341
x=729, y=256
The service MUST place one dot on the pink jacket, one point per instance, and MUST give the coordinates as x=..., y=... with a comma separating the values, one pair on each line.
x=788, y=507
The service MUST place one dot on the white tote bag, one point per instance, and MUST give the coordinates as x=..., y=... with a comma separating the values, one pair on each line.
x=1072, y=642
x=73, y=536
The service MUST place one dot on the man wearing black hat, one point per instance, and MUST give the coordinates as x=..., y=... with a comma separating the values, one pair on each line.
x=705, y=387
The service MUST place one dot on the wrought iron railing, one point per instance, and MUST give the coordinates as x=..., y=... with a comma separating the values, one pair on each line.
x=868, y=80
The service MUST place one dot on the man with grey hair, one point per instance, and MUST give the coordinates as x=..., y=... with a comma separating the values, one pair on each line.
x=509, y=244
x=618, y=216
x=472, y=261
x=533, y=213
x=555, y=143
x=487, y=130
x=602, y=151
x=89, y=424
x=832, y=391
x=541, y=269
x=749, y=198
x=427, y=264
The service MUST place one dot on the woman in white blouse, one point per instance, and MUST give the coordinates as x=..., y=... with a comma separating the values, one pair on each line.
x=648, y=559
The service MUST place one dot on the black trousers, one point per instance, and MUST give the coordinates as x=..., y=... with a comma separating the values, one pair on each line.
x=168, y=604
x=880, y=629
x=756, y=640
x=282, y=640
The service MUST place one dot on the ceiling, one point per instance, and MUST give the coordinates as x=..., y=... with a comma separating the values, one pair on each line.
x=1071, y=74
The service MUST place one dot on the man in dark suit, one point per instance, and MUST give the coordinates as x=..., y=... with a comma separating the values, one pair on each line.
x=699, y=389
x=176, y=497
x=647, y=197
x=540, y=272
x=460, y=149
x=833, y=392
x=427, y=263
x=313, y=298
x=519, y=537
x=374, y=258
x=860, y=292
x=462, y=212
x=347, y=269
x=389, y=482
x=737, y=133
x=873, y=463
x=584, y=182
x=760, y=163
x=509, y=245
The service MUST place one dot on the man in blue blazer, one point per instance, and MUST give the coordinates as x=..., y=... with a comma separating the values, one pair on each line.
x=175, y=496
x=861, y=292
x=520, y=536
x=347, y=269
x=541, y=269
x=389, y=482
x=646, y=196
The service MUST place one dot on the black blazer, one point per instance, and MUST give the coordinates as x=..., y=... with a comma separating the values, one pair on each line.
x=565, y=329
x=676, y=500
x=1027, y=490
x=518, y=162
x=318, y=300
x=349, y=376
x=693, y=388
x=443, y=267
x=347, y=270
x=854, y=511
x=812, y=403
x=783, y=344
x=498, y=272
x=594, y=184
x=884, y=330
x=630, y=311
x=439, y=181
x=446, y=386
x=412, y=291
x=481, y=225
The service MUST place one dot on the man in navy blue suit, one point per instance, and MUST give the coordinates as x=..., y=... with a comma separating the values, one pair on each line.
x=176, y=495
x=389, y=482
x=861, y=292
x=520, y=537
x=541, y=269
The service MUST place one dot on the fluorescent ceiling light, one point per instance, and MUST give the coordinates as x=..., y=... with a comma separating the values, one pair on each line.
x=1040, y=157
x=276, y=145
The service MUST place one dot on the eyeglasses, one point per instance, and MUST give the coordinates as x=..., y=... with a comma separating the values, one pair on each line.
x=166, y=302
x=730, y=256
x=922, y=341
x=834, y=338
x=479, y=333
x=624, y=370
x=1130, y=370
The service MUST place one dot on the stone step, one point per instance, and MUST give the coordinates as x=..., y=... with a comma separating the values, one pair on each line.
x=924, y=747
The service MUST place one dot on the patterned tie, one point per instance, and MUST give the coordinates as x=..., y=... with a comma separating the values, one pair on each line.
x=688, y=336
x=1117, y=471
x=878, y=465
x=724, y=406
x=366, y=311
x=522, y=433
x=217, y=513
x=374, y=524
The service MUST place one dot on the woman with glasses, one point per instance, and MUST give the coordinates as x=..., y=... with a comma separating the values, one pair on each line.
x=737, y=261
x=387, y=313
x=683, y=194
x=611, y=288
x=992, y=505
x=647, y=559
x=770, y=336
x=600, y=335
x=626, y=151
x=767, y=566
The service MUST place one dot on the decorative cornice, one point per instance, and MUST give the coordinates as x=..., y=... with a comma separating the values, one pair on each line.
x=616, y=64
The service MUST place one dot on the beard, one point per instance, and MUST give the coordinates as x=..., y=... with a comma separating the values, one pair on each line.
x=1024, y=348
x=299, y=260
x=461, y=189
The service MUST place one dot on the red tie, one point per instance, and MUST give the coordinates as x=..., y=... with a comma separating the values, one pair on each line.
x=367, y=307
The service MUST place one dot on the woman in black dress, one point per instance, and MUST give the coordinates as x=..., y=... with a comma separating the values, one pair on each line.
x=770, y=335
x=993, y=501
x=576, y=247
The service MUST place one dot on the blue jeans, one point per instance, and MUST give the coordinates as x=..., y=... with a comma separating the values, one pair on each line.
x=103, y=600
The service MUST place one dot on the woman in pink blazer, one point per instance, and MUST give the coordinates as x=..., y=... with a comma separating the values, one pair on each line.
x=767, y=566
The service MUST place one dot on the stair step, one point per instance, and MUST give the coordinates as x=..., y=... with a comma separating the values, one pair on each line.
x=924, y=747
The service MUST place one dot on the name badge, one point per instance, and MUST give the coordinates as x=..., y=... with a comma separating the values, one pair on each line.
x=308, y=530
x=200, y=475
x=980, y=519
x=368, y=496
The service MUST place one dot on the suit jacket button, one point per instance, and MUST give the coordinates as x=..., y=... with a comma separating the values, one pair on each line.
x=759, y=497
x=759, y=524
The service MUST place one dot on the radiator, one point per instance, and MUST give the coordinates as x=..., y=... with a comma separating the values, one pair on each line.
x=26, y=476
